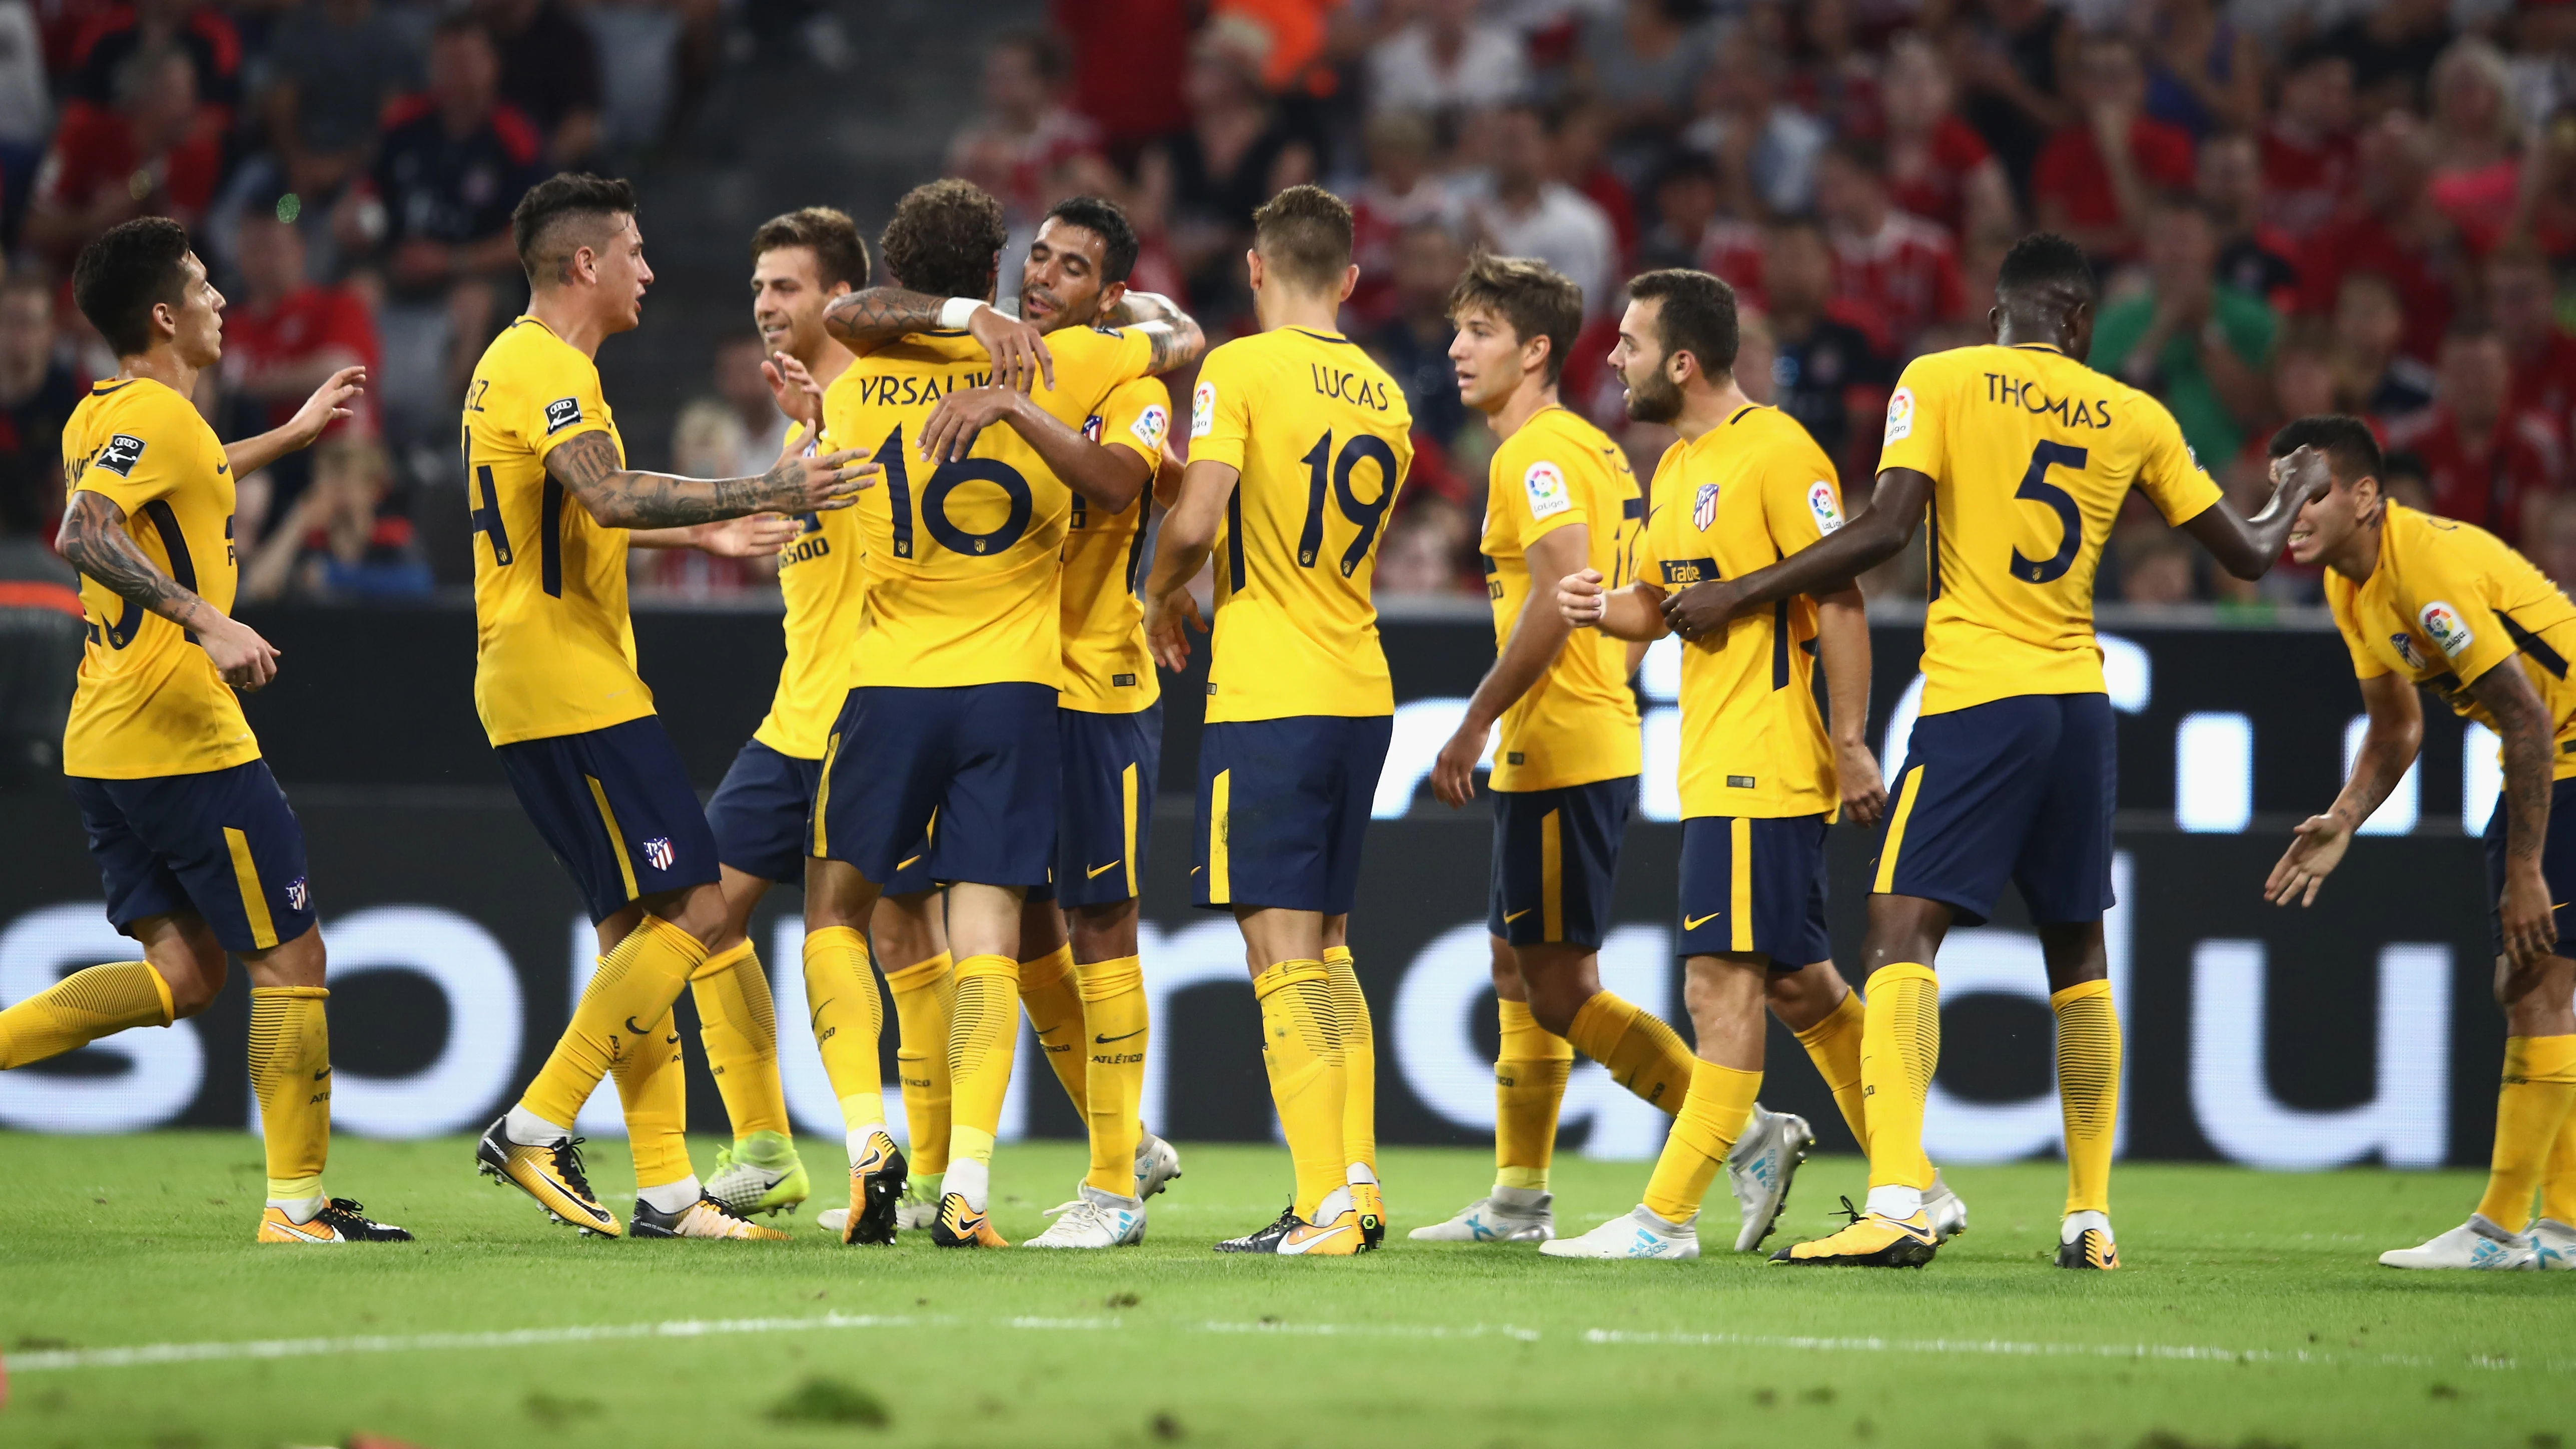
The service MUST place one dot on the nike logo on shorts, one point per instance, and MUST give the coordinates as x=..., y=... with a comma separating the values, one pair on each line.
x=1516, y=915
x=1095, y=872
x=1691, y=923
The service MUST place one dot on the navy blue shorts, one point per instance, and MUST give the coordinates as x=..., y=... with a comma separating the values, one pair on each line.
x=1110, y=761
x=1754, y=885
x=2018, y=788
x=1283, y=805
x=762, y=813
x=2557, y=865
x=981, y=760
x=1556, y=853
x=616, y=808
x=222, y=843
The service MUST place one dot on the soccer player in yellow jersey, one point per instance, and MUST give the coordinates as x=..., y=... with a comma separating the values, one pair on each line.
x=556, y=686
x=2426, y=601
x=952, y=715
x=1298, y=444
x=1761, y=776
x=2021, y=455
x=197, y=850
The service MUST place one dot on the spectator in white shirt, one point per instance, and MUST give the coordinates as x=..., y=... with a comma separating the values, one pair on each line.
x=1446, y=61
x=1527, y=213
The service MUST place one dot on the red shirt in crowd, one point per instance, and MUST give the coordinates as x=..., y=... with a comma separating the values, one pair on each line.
x=2358, y=241
x=1903, y=280
x=1128, y=60
x=2545, y=386
x=2072, y=172
x=1732, y=253
x=2490, y=484
x=303, y=324
x=1939, y=192
x=2304, y=185
x=95, y=149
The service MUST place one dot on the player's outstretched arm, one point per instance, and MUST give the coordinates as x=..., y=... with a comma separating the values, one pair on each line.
x=1635, y=613
x=1842, y=646
x=872, y=318
x=1537, y=637
x=1180, y=551
x=94, y=540
x=329, y=403
x=756, y=535
x=2388, y=747
x=2530, y=928
x=621, y=497
x=1176, y=337
x=2248, y=547
x=1108, y=476
x=1871, y=538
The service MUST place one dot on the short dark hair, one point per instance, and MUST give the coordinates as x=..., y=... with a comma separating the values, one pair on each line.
x=540, y=225
x=945, y=238
x=1685, y=166
x=128, y=270
x=2351, y=449
x=1535, y=298
x=1796, y=221
x=1861, y=153
x=1046, y=53
x=1305, y=232
x=1697, y=317
x=1105, y=220
x=459, y=23
x=2042, y=261
x=840, y=253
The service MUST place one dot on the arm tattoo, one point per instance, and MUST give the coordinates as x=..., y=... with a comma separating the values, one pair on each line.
x=881, y=314
x=621, y=498
x=2520, y=718
x=94, y=540
x=1176, y=343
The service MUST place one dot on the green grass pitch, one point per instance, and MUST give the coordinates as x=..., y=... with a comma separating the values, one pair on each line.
x=2250, y=1310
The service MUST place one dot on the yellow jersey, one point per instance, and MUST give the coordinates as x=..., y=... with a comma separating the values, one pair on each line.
x=1107, y=669
x=554, y=650
x=148, y=701
x=1322, y=437
x=2030, y=453
x=2450, y=601
x=822, y=575
x=963, y=559
x=1744, y=495
x=1578, y=723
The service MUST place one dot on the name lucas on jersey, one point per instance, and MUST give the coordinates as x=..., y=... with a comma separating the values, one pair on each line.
x=1349, y=387
x=2026, y=395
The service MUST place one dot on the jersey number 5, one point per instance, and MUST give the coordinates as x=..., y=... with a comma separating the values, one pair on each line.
x=2036, y=488
x=1320, y=461
x=934, y=501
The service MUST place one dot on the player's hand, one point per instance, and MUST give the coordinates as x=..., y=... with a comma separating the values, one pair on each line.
x=798, y=396
x=2530, y=930
x=1168, y=619
x=2316, y=848
x=1581, y=599
x=1701, y=611
x=819, y=482
x=1864, y=790
x=329, y=404
x=2301, y=477
x=1453, y=772
x=951, y=428
x=1018, y=349
x=241, y=658
x=757, y=535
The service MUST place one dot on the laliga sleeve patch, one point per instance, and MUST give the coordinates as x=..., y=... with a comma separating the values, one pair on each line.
x=120, y=455
x=1202, y=408
x=1544, y=484
x=1900, y=415
x=2444, y=626
x=1827, y=508
x=562, y=413
x=1151, y=425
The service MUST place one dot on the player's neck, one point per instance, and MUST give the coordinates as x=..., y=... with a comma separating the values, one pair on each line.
x=162, y=364
x=1532, y=397
x=1707, y=407
x=2360, y=556
x=565, y=315
x=1277, y=306
x=2030, y=332
x=829, y=361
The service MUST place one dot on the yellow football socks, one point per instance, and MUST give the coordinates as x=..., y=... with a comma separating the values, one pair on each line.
x=1713, y=1114
x=1900, y=1047
x=290, y=1074
x=983, y=1037
x=1113, y=1002
x=1359, y=1064
x=1051, y=993
x=1642, y=1054
x=841, y=995
x=1530, y=1070
x=738, y=1027
x=81, y=1008
x=1833, y=1044
x=2531, y=1113
x=924, y=993
x=2558, y=1178
x=1301, y=1047
x=637, y=981
x=653, y=1091
x=2088, y=1089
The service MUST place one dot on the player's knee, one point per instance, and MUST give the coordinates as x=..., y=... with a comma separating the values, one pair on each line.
x=700, y=911
x=194, y=986
x=1104, y=933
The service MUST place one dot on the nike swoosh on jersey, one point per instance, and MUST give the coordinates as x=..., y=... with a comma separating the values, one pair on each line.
x=1093, y=873
x=1516, y=915
x=1693, y=923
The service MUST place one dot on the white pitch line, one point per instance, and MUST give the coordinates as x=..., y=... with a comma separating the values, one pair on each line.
x=61, y=1360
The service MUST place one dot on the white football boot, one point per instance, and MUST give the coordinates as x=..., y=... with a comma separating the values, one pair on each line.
x=1508, y=1215
x=1948, y=1214
x=1640, y=1234
x=2553, y=1243
x=1094, y=1219
x=1158, y=1163
x=1760, y=1168
x=2477, y=1243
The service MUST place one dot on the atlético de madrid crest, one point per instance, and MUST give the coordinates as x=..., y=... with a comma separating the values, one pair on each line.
x=1704, y=507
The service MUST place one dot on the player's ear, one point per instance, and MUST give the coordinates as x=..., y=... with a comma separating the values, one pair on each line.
x=1252, y=266
x=1534, y=352
x=1350, y=279
x=1995, y=323
x=1110, y=296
